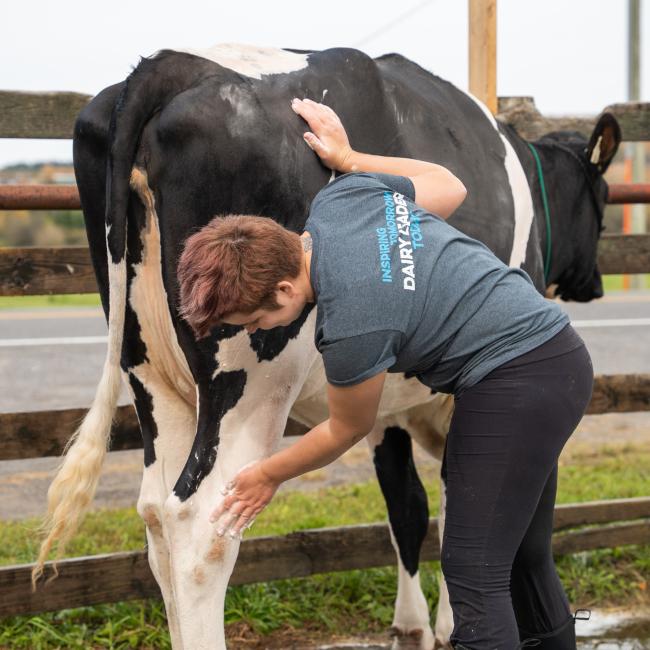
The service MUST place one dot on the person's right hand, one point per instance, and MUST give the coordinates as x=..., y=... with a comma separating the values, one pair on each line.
x=327, y=137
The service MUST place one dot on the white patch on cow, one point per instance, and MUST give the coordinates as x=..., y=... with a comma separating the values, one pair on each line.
x=444, y=614
x=251, y=60
x=148, y=299
x=264, y=406
x=322, y=99
x=595, y=154
x=398, y=399
x=521, y=196
x=411, y=610
x=245, y=111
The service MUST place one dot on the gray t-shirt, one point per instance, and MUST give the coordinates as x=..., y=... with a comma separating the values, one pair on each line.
x=399, y=289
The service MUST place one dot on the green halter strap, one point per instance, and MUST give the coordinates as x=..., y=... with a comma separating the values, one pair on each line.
x=547, y=213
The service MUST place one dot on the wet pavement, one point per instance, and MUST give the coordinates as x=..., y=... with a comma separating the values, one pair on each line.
x=615, y=630
x=611, y=629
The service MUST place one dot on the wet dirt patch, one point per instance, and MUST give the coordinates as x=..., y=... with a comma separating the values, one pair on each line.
x=609, y=629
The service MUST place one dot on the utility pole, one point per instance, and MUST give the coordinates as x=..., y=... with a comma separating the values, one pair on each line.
x=635, y=151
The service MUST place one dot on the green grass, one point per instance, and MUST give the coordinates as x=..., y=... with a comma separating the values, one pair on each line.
x=66, y=300
x=610, y=282
x=352, y=601
x=615, y=282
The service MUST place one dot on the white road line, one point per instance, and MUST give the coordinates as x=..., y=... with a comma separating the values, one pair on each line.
x=91, y=340
x=612, y=322
x=62, y=340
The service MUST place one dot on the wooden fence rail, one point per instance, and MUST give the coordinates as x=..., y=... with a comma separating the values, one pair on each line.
x=124, y=576
x=45, y=433
x=32, y=271
x=66, y=197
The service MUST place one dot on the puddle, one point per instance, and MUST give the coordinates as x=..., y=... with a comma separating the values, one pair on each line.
x=615, y=630
x=606, y=630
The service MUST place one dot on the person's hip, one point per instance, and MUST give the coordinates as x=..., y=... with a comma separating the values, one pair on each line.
x=558, y=374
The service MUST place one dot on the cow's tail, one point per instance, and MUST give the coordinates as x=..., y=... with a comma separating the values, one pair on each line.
x=150, y=86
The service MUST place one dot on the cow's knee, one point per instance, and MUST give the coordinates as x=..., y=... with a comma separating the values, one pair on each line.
x=175, y=510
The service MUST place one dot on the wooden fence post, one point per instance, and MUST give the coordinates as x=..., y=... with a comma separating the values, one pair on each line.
x=483, y=51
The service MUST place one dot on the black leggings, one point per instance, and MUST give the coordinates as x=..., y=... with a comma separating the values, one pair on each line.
x=500, y=468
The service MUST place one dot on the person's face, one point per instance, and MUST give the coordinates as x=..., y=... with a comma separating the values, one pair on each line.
x=291, y=305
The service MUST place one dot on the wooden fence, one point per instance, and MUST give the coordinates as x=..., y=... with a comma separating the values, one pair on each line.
x=123, y=576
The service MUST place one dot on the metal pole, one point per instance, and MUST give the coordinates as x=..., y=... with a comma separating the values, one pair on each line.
x=636, y=150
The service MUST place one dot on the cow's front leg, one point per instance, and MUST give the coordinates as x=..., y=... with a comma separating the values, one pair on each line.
x=168, y=423
x=408, y=515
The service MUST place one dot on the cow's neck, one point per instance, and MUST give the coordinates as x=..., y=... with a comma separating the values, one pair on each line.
x=561, y=195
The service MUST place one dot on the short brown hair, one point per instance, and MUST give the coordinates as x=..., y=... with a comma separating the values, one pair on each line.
x=234, y=264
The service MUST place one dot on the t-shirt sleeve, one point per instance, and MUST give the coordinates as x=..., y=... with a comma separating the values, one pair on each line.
x=351, y=360
x=402, y=184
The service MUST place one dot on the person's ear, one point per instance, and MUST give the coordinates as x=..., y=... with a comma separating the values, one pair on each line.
x=286, y=288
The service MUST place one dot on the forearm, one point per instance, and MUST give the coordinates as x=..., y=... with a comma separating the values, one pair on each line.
x=436, y=188
x=366, y=162
x=317, y=448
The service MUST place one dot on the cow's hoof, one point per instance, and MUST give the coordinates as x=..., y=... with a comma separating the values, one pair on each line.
x=417, y=639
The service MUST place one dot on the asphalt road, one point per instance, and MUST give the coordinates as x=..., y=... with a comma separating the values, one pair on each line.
x=52, y=358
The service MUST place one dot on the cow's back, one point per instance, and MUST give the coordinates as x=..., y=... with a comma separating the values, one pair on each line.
x=440, y=123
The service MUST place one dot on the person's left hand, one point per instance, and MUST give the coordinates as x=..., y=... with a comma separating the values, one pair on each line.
x=246, y=496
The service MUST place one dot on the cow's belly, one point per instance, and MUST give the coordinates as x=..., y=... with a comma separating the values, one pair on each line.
x=404, y=402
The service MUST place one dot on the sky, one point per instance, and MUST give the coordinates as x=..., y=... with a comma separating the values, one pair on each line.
x=571, y=56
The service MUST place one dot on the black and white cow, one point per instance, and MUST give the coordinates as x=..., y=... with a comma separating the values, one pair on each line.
x=191, y=135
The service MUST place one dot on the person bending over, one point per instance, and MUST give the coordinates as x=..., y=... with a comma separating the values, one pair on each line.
x=398, y=289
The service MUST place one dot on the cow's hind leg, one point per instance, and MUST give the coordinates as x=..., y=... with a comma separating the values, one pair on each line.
x=444, y=615
x=167, y=423
x=408, y=515
x=240, y=419
x=428, y=425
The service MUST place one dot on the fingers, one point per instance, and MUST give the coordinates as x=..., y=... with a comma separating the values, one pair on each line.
x=236, y=522
x=244, y=521
x=308, y=112
x=313, y=113
x=233, y=515
x=230, y=499
x=313, y=142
